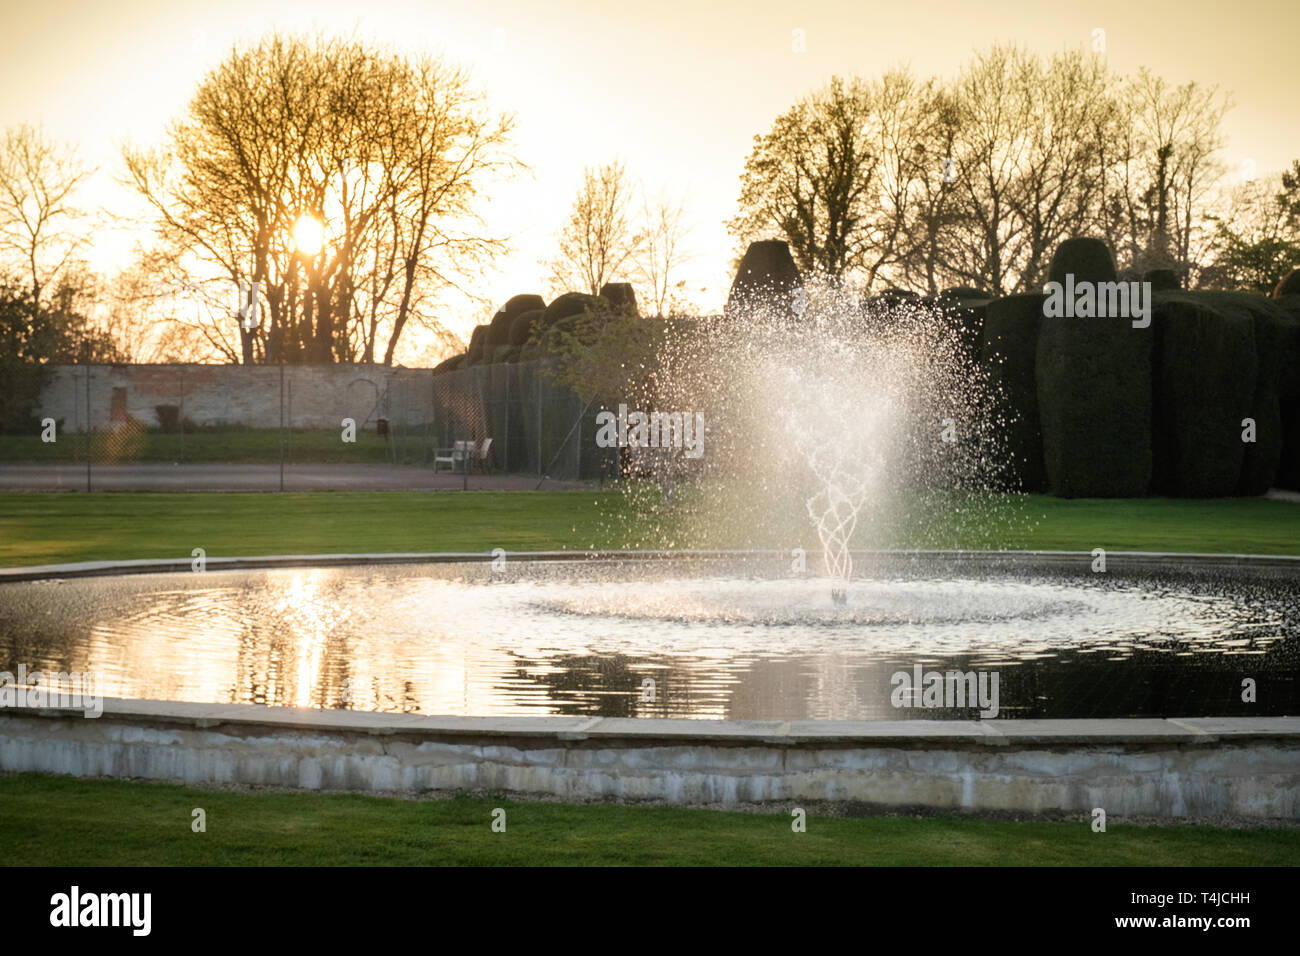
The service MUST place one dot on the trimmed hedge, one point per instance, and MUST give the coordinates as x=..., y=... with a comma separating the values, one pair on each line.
x=1163, y=280
x=501, y=329
x=963, y=292
x=1288, y=388
x=521, y=327
x=1094, y=395
x=1087, y=259
x=621, y=297
x=1277, y=350
x=1008, y=354
x=1204, y=383
x=525, y=302
x=498, y=330
x=1288, y=371
x=448, y=364
x=477, y=343
x=568, y=305
x=766, y=275
x=964, y=319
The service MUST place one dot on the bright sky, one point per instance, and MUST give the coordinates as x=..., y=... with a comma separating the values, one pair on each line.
x=677, y=88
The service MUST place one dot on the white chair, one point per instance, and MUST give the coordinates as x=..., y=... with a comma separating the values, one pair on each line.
x=458, y=454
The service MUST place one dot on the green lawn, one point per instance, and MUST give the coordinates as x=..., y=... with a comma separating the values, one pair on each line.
x=232, y=446
x=52, y=528
x=64, y=821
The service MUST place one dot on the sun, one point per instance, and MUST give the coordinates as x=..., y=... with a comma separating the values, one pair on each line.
x=308, y=235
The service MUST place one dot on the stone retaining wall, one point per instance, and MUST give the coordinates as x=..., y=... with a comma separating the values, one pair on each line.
x=1189, y=769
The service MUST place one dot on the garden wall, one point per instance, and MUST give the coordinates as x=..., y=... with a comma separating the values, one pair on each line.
x=315, y=396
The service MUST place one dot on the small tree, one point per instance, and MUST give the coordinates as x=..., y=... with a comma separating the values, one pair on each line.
x=661, y=249
x=599, y=239
x=41, y=227
x=1257, y=237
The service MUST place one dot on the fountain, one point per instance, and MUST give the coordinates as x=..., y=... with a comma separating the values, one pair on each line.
x=809, y=389
x=827, y=421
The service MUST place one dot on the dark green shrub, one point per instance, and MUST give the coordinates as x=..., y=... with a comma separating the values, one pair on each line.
x=964, y=292
x=21, y=384
x=620, y=296
x=1087, y=259
x=1094, y=391
x=1288, y=371
x=477, y=343
x=521, y=326
x=1288, y=468
x=1204, y=376
x=766, y=276
x=526, y=302
x=1008, y=355
x=1288, y=388
x=169, y=418
x=568, y=305
x=1277, y=351
x=498, y=330
x=964, y=321
x=1163, y=280
x=1289, y=284
x=448, y=365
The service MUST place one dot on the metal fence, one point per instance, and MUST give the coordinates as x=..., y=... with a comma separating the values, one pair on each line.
x=188, y=427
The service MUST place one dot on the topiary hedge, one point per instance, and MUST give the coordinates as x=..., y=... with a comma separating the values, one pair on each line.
x=1008, y=354
x=1288, y=389
x=477, y=343
x=1277, y=351
x=499, y=354
x=525, y=302
x=1163, y=280
x=766, y=277
x=1087, y=259
x=568, y=305
x=521, y=327
x=964, y=319
x=620, y=296
x=1204, y=372
x=1094, y=390
x=448, y=364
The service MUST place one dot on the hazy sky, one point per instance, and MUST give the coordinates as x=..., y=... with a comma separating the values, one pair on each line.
x=677, y=88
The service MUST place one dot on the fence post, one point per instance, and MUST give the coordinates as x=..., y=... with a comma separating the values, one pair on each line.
x=282, y=426
x=538, y=378
x=505, y=439
x=182, y=415
x=88, y=441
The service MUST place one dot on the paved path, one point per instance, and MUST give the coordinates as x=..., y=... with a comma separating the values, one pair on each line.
x=214, y=477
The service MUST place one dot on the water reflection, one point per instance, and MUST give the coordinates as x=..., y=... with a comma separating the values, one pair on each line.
x=581, y=639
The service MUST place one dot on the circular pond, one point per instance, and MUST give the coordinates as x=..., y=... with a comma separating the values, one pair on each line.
x=704, y=638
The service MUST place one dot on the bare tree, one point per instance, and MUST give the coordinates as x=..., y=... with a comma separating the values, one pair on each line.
x=661, y=249
x=1170, y=167
x=385, y=153
x=599, y=239
x=40, y=224
x=809, y=180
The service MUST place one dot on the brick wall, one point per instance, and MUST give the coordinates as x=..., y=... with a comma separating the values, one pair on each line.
x=315, y=396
